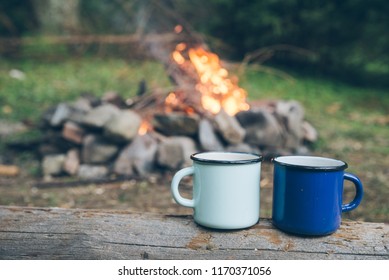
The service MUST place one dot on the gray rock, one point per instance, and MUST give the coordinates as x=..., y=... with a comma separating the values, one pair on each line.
x=208, y=139
x=61, y=114
x=309, y=132
x=73, y=132
x=291, y=115
x=302, y=151
x=243, y=148
x=99, y=116
x=82, y=104
x=72, y=162
x=292, y=111
x=53, y=164
x=178, y=124
x=65, y=112
x=114, y=98
x=138, y=157
x=90, y=172
x=262, y=128
x=229, y=128
x=174, y=152
x=123, y=126
x=97, y=150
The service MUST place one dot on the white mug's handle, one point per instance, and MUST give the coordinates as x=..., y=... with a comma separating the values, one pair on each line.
x=175, y=184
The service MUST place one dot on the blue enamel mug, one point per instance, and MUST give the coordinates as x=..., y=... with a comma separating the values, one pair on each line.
x=308, y=194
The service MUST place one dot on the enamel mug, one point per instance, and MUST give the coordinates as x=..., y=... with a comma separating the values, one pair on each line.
x=226, y=189
x=308, y=194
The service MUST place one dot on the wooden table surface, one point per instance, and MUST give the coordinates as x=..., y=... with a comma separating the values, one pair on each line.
x=53, y=233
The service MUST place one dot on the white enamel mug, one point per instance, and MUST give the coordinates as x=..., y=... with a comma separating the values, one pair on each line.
x=226, y=189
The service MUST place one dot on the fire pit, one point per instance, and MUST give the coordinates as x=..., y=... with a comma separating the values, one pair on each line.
x=158, y=131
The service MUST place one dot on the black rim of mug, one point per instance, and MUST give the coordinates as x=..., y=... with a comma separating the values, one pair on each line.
x=257, y=158
x=342, y=166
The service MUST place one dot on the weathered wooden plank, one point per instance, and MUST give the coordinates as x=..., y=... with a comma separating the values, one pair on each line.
x=47, y=233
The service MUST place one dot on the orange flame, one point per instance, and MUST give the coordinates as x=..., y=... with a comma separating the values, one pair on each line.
x=173, y=102
x=217, y=90
x=145, y=126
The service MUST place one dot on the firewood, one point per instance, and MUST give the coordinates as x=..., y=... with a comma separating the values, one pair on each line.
x=9, y=170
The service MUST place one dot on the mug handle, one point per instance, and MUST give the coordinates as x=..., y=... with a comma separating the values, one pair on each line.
x=175, y=184
x=359, y=192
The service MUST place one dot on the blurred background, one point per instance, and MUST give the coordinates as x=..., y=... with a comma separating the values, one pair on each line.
x=330, y=56
x=346, y=39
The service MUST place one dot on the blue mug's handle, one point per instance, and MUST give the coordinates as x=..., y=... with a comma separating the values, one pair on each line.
x=359, y=192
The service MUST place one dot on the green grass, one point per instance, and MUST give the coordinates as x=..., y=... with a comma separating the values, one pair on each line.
x=352, y=122
x=47, y=83
x=335, y=108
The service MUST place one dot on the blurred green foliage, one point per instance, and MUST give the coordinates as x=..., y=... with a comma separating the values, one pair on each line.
x=349, y=37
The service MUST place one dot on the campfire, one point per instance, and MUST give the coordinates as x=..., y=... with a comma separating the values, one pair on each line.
x=218, y=91
x=158, y=131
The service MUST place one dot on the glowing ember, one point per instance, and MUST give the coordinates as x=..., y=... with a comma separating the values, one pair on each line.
x=178, y=28
x=173, y=102
x=177, y=56
x=217, y=90
x=171, y=99
x=144, y=127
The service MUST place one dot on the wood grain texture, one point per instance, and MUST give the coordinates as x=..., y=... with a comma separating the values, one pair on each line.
x=52, y=233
